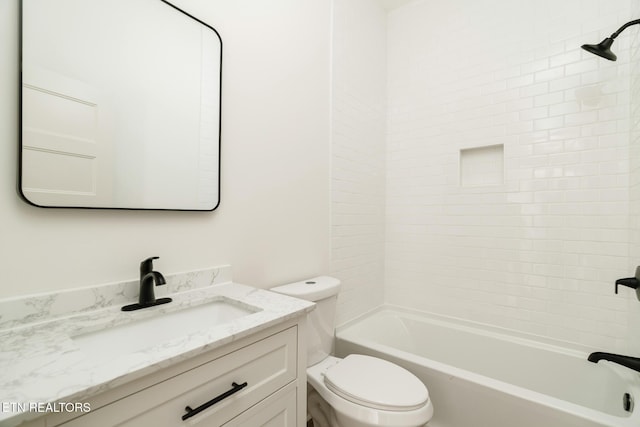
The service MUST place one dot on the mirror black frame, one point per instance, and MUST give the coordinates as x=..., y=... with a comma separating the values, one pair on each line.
x=20, y=125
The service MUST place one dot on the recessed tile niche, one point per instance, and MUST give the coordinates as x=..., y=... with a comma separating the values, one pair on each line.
x=480, y=166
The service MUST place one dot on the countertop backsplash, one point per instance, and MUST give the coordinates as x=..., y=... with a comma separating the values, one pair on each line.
x=30, y=309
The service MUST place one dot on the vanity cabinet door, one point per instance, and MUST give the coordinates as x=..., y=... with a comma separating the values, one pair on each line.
x=266, y=366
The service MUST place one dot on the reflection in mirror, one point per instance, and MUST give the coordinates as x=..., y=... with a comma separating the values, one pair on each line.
x=120, y=106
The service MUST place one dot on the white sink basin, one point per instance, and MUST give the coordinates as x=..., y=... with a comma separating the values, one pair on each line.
x=142, y=334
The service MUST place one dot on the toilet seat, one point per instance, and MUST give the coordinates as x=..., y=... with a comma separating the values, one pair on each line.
x=358, y=414
x=376, y=383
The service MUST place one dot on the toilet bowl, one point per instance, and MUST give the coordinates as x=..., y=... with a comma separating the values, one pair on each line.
x=363, y=391
x=359, y=390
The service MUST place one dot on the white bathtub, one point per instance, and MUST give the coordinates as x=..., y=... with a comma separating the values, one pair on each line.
x=481, y=376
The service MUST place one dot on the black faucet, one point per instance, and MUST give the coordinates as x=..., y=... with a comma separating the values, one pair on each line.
x=628, y=361
x=148, y=279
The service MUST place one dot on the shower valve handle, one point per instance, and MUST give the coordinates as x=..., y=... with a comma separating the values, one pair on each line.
x=631, y=282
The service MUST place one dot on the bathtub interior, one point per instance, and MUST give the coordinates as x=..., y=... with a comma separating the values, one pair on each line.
x=541, y=366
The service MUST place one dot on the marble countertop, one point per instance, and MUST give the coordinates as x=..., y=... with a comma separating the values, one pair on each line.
x=42, y=364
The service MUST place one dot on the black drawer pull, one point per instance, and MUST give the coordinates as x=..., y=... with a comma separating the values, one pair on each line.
x=191, y=412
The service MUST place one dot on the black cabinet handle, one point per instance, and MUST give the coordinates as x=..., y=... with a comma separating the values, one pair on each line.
x=191, y=412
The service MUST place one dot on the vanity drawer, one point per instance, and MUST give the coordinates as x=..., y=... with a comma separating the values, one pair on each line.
x=266, y=366
x=277, y=410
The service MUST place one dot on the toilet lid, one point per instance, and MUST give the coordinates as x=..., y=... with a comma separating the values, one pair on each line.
x=376, y=383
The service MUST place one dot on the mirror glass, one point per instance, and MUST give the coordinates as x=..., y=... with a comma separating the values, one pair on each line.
x=120, y=106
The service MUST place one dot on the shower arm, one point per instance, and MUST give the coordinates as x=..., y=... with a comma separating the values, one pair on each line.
x=603, y=49
x=621, y=29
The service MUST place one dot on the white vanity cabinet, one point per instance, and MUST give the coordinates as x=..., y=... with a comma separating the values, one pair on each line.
x=258, y=380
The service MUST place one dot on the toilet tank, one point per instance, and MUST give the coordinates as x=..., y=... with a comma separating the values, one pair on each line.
x=323, y=290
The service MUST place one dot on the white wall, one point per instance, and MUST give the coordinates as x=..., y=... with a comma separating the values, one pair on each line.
x=358, y=154
x=539, y=251
x=273, y=222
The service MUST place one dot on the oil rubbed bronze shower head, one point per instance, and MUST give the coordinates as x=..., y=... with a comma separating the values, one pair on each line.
x=603, y=49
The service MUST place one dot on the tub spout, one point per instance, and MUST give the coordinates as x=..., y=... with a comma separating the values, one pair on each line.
x=628, y=361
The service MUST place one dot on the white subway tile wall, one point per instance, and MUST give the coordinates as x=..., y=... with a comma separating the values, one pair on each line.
x=358, y=154
x=634, y=177
x=540, y=252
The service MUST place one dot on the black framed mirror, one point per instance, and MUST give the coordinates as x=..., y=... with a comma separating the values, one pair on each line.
x=120, y=106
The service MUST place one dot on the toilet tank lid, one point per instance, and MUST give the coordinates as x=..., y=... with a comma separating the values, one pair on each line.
x=314, y=289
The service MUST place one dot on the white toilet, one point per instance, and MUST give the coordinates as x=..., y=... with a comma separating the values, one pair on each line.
x=359, y=390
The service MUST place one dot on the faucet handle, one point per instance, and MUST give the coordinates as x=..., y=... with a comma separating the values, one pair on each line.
x=146, y=266
x=631, y=282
